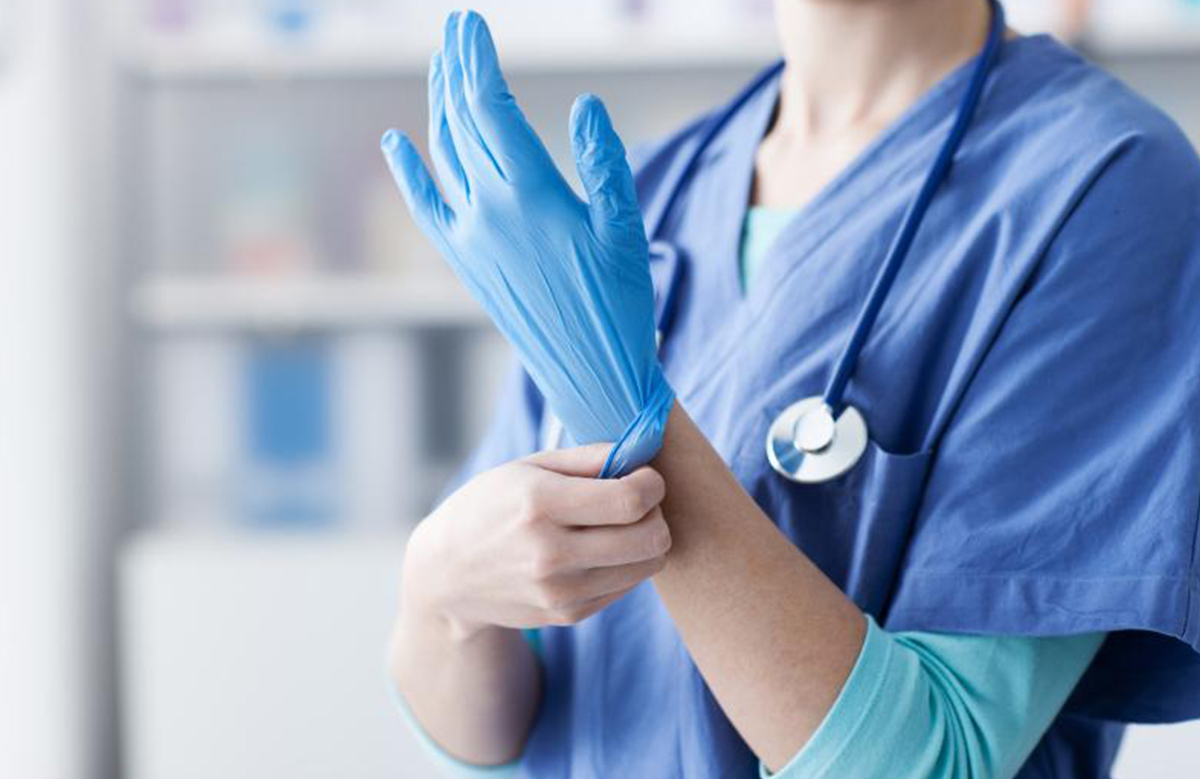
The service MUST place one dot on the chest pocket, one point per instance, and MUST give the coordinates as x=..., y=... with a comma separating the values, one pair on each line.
x=856, y=528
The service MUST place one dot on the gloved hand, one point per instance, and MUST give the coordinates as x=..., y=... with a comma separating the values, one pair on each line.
x=567, y=282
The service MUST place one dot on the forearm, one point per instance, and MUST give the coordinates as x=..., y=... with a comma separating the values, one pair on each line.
x=475, y=693
x=732, y=574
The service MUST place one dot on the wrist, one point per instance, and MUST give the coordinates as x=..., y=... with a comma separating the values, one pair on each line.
x=426, y=597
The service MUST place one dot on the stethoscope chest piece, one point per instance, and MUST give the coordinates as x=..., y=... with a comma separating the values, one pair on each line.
x=807, y=445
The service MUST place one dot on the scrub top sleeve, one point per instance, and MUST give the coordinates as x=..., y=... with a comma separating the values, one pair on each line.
x=1064, y=491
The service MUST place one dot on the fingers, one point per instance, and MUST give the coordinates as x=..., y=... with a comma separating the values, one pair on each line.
x=421, y=195
x=584, y=501
x=576, y=461
x=648, y=539
x=472, y=149
x=441, y=142
x=576, y=597
x=578, y=612
x=603, y=169
x=618, y=579
x=513, y=144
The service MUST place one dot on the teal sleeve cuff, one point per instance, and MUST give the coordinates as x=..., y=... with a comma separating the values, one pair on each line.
x=848, y=714
x=534, y=639
x=446, y=764
x=939, y=706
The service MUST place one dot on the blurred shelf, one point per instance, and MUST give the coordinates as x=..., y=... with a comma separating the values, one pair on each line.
x=199, y=303
x=187, y=61
x=1145, y=40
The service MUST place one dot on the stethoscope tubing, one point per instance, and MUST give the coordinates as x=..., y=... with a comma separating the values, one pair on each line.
x=937, y=175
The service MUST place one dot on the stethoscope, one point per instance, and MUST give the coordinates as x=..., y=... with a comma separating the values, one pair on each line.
x=820, y=438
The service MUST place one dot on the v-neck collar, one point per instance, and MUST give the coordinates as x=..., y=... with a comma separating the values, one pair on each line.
x=921, y=116
x=730, y=167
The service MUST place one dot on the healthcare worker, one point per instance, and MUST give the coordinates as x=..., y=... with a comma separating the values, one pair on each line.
x=979, y=256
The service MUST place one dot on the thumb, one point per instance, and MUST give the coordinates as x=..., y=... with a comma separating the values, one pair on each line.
x=603, y=169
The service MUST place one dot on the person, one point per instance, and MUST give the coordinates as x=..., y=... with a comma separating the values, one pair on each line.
x=1005, y=578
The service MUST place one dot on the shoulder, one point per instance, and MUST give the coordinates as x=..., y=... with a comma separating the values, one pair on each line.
x=1088, y=173
x=650, y=154
x=660, y=160
x=1070, y=114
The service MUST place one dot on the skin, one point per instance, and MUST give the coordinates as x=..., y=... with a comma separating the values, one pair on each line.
x=538, y=542
x=853, y=67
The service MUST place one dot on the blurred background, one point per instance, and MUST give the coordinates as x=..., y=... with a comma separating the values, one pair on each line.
x=233, y=376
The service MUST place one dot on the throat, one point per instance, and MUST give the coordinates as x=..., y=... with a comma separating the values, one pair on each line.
x=790, y=172
x=853, y=69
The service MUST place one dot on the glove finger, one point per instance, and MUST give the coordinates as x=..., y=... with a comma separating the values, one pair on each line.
x=420, y=193
x=441, y=143
x=472, y=149
x=603, y=169
x=514, y=144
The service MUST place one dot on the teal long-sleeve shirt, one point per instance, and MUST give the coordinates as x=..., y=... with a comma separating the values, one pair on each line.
x=916, y=705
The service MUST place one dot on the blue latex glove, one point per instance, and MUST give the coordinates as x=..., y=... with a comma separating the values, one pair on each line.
x=567, y=282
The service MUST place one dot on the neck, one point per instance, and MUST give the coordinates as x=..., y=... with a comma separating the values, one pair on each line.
x=861, y=63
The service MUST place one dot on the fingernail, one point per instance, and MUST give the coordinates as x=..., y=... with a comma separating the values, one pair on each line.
x=391, y=141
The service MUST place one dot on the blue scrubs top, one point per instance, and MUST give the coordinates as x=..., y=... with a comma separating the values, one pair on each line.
x=1032, y=388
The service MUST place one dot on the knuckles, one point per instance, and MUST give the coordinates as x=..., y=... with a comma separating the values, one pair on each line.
x=551, y=599
x=569, y=615
x=545, y=561
x=558, y=601
x=640, y=493
x=533, y=505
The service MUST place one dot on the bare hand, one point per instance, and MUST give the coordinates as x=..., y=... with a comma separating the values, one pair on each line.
x=538, y=541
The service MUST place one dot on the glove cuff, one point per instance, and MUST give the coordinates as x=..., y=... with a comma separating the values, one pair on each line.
x=643, y=438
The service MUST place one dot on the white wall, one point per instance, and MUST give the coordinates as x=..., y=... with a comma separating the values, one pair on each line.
x=44, y=533
x=1160, y=752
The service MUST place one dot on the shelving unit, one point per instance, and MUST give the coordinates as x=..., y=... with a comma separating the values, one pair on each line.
x=181, y=304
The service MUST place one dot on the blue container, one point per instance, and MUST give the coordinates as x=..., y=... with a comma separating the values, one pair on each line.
x=289, y=438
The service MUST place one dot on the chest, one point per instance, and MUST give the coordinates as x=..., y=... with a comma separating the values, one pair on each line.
x=732, y=357
x=736, y=361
